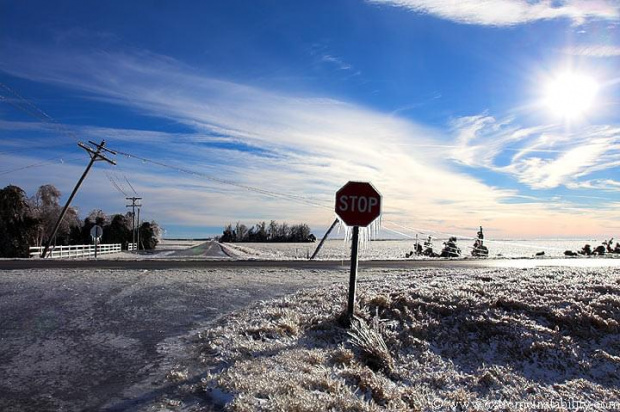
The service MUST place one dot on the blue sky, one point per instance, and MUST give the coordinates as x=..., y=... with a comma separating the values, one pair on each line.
x=226, y=111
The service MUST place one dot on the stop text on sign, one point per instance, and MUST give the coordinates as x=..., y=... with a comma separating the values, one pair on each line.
x=360, y=204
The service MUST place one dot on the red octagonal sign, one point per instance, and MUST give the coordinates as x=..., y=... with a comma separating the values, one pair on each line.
x=358, y=203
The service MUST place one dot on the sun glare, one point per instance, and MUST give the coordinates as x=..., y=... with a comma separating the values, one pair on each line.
x=571, y=95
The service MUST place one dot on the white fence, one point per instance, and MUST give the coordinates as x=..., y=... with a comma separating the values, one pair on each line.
x=72, y=251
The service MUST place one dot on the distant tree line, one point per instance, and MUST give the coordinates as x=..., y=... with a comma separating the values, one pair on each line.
x=26, y=222
x=263, y=232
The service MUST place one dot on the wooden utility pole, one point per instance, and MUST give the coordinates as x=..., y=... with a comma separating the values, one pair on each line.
x=318, y=248
x=95, y=155
x=133, y=206
x=138, y=232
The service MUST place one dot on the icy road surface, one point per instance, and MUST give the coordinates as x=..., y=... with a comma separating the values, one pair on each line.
x=80, y=339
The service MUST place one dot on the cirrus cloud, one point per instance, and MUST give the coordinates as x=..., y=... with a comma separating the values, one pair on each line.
x=510, y=12
x=301, y=147
x=593, y=51
x=541, y=157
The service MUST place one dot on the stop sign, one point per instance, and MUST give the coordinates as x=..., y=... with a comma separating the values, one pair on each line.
x=358, y=203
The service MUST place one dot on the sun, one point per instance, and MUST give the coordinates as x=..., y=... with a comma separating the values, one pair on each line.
x=571, y=95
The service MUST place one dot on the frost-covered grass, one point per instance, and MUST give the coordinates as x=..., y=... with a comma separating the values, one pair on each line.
x=425, y=340
x=335, y=249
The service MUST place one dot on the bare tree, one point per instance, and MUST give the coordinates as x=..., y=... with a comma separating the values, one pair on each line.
x=273, y=230
x=45, y=206
x=241, y=231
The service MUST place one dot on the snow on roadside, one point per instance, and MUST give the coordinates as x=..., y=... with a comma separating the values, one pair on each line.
x=483, y=339
x=338, y=249
x=236, y=251
x=269, y=251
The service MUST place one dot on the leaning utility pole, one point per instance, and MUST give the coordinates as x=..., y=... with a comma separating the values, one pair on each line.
x=95, y=155
x=133, y=216
x=318, y=248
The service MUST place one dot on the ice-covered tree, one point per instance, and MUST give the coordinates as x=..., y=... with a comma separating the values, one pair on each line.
x=17, y=224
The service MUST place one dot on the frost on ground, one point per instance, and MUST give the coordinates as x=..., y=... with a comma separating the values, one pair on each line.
x=337, y=249
x=425, y=340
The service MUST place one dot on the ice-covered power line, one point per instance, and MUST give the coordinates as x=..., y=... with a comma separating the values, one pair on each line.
x=38, y=164
x=115, y=185
x=127, y=180
x=291, y=197
x=396, y=231
x=13, y=98
x=305, y=200
x=115, y=174
x=23, y=149
x=121, y=183
x=96, y=154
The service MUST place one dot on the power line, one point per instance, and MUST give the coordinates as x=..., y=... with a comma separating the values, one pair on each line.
x=295, y=198
x=33, y=110
x=38, y=164
x=28, y=107
x=115, y=185
x=22, y=149
x=127, y=180
x=298, y=199
x=95, y=155
x=118, y=184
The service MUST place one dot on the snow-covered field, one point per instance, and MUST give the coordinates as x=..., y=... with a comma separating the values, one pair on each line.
x=396, y=249
x=429, y=340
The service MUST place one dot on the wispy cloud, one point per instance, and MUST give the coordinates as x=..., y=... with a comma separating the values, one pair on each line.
x=336, y=61
x=540, y=157
x=293, y=145
x=597, y=184
x=510, y=12
x=323, y=56
x=593, y=51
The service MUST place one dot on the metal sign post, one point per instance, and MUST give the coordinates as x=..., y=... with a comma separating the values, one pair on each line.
x=353, y=273
x=96, y=232
x=357, y=204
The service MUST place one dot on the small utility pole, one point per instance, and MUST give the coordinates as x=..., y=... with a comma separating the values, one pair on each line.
x=133, y=206
x=95, y=155
x=138, y=232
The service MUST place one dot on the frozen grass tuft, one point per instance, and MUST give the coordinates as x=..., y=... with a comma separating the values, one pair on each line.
x=368, y=339
x=426, y=341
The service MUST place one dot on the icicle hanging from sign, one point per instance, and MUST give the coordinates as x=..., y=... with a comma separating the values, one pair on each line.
x=368, y=233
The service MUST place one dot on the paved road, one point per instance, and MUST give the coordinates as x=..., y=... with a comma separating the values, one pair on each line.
x=99, y=339
x=173, y=263
x=210, y=249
